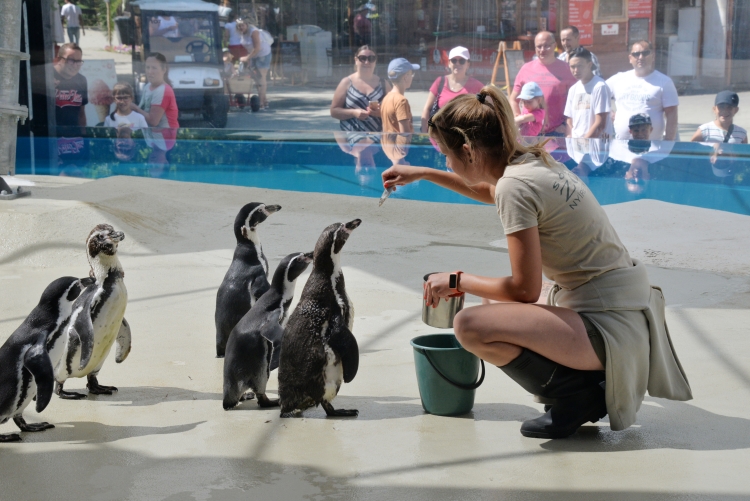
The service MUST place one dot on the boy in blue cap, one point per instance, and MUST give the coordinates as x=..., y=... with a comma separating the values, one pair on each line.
x=722, y=129
x=395, y=110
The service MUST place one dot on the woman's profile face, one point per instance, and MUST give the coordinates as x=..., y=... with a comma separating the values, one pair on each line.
x=464, y=169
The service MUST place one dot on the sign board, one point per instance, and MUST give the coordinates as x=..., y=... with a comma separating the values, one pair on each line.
x=513, y=62
x=101, y=77
x=639, y=9
x=610, y=29
x=290, y=56
x=581, y=15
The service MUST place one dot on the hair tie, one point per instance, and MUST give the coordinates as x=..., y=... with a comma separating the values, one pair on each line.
x=480, y=97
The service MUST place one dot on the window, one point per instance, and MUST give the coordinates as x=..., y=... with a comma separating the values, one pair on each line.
x=610, y=10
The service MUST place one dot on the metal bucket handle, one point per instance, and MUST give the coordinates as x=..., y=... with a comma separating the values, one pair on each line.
x=461, y=386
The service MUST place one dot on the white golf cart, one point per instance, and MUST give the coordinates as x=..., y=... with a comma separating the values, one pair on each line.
x=187, y=33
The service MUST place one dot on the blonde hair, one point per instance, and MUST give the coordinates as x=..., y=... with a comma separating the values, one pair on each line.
x=485, y=123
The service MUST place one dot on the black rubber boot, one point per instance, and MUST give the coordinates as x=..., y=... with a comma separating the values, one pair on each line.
x=575, y=396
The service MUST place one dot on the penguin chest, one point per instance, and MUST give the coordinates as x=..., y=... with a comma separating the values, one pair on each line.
x=107, y=325
x=333, y=375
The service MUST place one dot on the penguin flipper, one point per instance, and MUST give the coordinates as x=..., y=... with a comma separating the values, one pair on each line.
x=83, y=329
x=273, y=332
x=343, y=342
x=36, y=360
x=123, y=342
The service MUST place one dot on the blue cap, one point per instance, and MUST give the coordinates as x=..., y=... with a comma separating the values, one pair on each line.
x=727, y=97
x=399, y=67
x=529, y=91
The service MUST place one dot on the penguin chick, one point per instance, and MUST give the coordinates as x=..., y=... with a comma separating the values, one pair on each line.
x=245, y=281
x=254, y=343
x=25, y=366
x=318, y=350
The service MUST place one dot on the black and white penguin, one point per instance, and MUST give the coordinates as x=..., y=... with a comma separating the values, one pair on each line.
x=25, y=367
x=101, y=309
x=255, y=342
x=318, y=349
x=245, y=281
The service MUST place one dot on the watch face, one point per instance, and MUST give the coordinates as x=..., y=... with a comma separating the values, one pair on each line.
x=453, y=281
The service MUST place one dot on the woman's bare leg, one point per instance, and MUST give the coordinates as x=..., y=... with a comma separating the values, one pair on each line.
x=263, y=86
x=497, y=332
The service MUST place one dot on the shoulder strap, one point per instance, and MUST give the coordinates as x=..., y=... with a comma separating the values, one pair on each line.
x=440, y=86
x=728, y=135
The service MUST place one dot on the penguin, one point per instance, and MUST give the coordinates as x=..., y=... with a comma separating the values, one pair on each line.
x=318, y=349
x=254, y=343
x=245, y=281
x=25, y=367
x=100, y=308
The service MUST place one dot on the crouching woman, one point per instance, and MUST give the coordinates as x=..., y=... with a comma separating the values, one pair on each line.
x=601, y=340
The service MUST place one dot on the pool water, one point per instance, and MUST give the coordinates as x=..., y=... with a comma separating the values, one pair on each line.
x=682, y=173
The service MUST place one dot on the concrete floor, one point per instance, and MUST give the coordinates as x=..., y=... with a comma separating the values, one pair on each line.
x=165, y=436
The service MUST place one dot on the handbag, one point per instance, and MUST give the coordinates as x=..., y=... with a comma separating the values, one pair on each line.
x=435, y=105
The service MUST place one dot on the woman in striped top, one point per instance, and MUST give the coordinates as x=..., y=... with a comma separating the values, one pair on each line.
x=356, y=102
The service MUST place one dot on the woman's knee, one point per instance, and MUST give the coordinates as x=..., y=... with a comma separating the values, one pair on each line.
x=465, y=328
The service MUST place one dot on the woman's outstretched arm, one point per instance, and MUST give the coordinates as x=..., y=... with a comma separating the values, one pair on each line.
x=399, y=175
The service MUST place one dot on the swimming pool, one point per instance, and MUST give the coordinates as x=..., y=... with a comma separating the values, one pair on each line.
x=615, y=171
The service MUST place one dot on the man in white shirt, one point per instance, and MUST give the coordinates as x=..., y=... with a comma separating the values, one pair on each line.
x=644, y=90
x=570, y=41
x=588, y=105
x=73, y=20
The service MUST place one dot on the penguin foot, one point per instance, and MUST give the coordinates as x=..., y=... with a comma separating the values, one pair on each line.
x=32, y=427
x=96, y=389
x=296, y=413
x=331, y=412
x=13, y=437
x=265, y=402
x=247, y=396
x=67, y=395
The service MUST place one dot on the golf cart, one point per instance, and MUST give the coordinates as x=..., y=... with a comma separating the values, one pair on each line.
x=187, y=33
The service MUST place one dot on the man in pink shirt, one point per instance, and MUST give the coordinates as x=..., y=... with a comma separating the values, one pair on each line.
x=554, y=78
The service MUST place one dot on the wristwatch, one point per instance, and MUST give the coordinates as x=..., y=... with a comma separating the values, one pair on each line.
x=454, y=281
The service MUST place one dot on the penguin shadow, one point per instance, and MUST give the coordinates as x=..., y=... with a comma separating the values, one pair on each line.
x=666, y=425
x=143, y=396
x=89, y=432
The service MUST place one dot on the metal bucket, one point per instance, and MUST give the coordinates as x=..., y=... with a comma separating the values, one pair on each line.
x=441, y=317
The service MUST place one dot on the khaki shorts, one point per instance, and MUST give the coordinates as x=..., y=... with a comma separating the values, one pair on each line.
x=596, y=339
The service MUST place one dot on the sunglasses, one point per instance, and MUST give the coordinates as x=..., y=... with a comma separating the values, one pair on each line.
x=367, y=59
x=644, y=53
x=458, y=60
x=71, y=60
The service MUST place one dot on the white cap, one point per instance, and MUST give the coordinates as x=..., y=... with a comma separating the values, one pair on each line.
x=459, y=52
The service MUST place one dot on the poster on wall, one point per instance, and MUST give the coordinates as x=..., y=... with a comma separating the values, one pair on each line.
x=101, y=77
x=639, y=9
x=581, y=15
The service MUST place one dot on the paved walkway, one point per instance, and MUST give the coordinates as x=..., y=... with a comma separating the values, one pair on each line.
x=166, y=436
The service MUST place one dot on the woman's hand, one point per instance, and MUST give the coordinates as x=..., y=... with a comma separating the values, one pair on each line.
x=362, y=115
x=399, y=175
x=437, y=287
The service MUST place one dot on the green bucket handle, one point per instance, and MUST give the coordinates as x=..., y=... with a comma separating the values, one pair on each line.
x=473, y=386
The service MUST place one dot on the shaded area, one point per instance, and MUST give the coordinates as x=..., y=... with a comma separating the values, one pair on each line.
x=90, y=432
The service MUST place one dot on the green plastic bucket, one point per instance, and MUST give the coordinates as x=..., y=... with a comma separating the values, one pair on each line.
x=446, y=374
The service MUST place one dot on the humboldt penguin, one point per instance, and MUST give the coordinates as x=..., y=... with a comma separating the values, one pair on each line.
x=254, y=344
x=318, y=349
x=101, y=309
x=25, y=367
x=245, y=281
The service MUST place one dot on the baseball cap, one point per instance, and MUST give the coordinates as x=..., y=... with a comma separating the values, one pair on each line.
x=399, y=67
x=459, y=52
x=530, y=90
x=727, y=97
x=639, y=119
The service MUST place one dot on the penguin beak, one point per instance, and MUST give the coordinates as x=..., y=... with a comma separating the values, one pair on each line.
x=351, y=225
x=273, y=208
x=307, y=257
x=117, y=236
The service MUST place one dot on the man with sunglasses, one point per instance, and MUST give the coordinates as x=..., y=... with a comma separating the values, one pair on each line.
x=644, y=90
x=71, y=95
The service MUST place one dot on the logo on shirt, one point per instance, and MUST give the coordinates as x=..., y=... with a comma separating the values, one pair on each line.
x=65, y=98
x=570, y=187
x=67, y=146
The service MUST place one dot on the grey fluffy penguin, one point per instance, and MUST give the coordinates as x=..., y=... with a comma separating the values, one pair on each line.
x=255, y=342
x=245, y=281
x=100, y=308
x=25, y=367
x=318, y=350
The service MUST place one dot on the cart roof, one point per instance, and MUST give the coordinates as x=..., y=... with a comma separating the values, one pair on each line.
x=177, y=5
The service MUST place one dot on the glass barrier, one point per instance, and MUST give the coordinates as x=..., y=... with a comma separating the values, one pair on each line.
x=715, y=176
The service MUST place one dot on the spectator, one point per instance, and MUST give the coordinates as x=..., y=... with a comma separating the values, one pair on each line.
x=644, y=90
x=553, y=77
x=124, y=116
x=588, y=106
x=158, y=105
x=259, y=57
x=233, y=33
x=362, y=25
x=395, y=110
x=570, y=40
x=73, y=20
x=356, y=102
x=722, y=129
x=163, y=26
x=531, y=120
x=71, y=88
x=640, y=127
x=447, y=87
